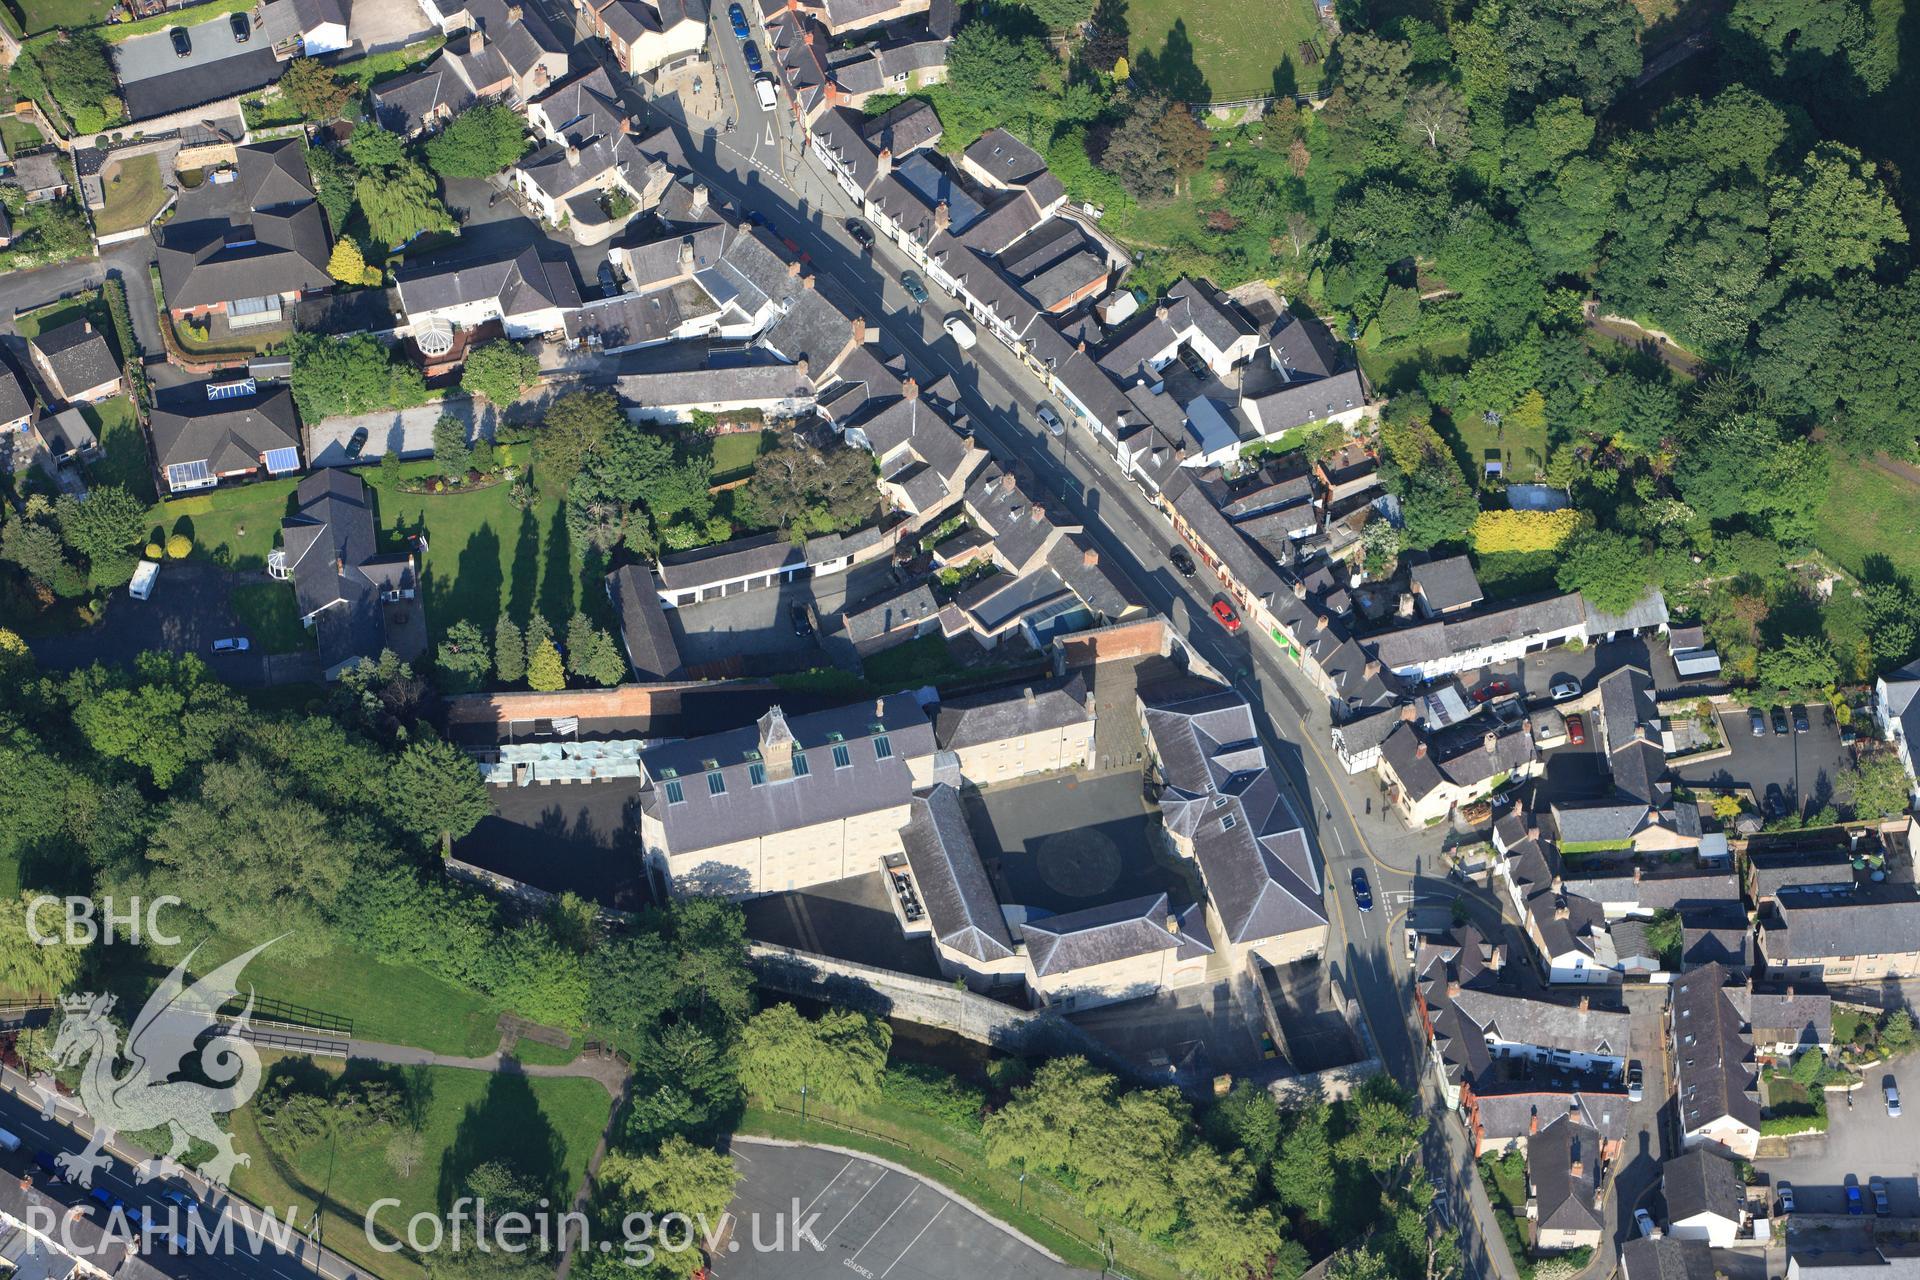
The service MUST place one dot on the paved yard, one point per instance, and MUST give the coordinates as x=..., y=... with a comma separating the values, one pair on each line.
x=387, y=24
x=757, y=625
x=868, y=1221
x=849, y=919
x=1862, y=1141
x=1807, y=767
x=583, y=837
x=408, y=432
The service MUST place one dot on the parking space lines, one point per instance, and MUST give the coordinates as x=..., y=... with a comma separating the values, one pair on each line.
x=916, y=1239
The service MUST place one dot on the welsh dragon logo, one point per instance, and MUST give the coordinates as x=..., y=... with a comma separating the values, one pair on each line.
x=179, y=1023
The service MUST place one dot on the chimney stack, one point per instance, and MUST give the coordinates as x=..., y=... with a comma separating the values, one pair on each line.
x=1420, y=751
x=1533, y=1123
x=1409, y=713
x=1491, y=741
x=1561, y=911
x=776, y=745
x=793, y=269
x=1029, y=695
x=686, y=256
x=806, y=281
x=1090, y=557
x=1453, y=988
x=1639, y=874
x=884, y=162
x=1299, y=589
x=942, y=217
x=573, y=156
x=880, y=709
x=1406, y=604
x=1006, y=481
x=802, y=366
x=1586, y=1004
x=910, y=388
x=1575, y=1168
x=1162, y=311
x=86, y=326
x=859, y=331
x=1320, y=622
x=476, y=40
x=699, y=196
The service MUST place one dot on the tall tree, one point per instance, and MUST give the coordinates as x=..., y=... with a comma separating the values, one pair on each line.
x=837, y=1058
x=1831, y=214
x=434, y=790
x=1437, y=116
x=509, y=651
x=678, y=1177
x=108, y=523
x=1586, y=47
x=499, y=371
x=805, y=490
x=451, y=452
x=46, y=964
x=578, y=425
x=545, y=671
x=313, y=90
x=1374, y=73
x=1612, y=570
x=478, y=142
x=463, y=658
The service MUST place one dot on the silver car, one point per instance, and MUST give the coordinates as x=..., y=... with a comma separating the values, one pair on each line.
x=1050, y=419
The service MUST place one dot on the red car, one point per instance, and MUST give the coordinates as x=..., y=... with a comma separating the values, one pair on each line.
x=1497, y=689
x=1224, y=612
x=1576, y=730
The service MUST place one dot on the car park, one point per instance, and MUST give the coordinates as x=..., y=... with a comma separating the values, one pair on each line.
x=1564, y=690
x=738, y=17
x=1182, y=562
x=1785, y=1192
x=1636, y=1083
x=1643, y=1222
x=751, y=53
x=1800, y=722
x=1576, y=730
x=1878, y=1186
x=1362, y=891
x=182, y=42
x=1893, y=1098
x=1780, y=721
x=1757, y=721
x=914, y=287
x=242, y=28
x=862, y=234
x=960, y=331
x=232, y=644
x=1224, y=614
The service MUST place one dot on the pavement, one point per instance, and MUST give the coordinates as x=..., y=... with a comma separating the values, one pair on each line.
x=864, y=1217
x=1862, y=1141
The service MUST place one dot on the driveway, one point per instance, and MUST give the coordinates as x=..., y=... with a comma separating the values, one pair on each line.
x=408, y=432
x=387, y=24
x=1807, y=767
x=1862, y=1140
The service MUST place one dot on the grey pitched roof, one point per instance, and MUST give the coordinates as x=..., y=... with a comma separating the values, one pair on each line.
x=826, y=793
x=1505, y=1115
x=1366, y=732
x=1716, y=934
x=14, y=402
x=329, y=546
x=1110, y=933
x=1791, y=1016
x=1770, y=871
x=261, y=233
x=903, y=128
x=64, y=432
x=1712, y=1053
x=80, y=357
x=1699, y=1182
x=1650, y=611
x=1221, y=793
x=1563, y=1166
x=1666, y=1259
x=651, y=650
x=1000, y=714
x=953, y=881
x=1447, y=584
x=1408, y=646
x=1282, y=406
x=407, y=103
x=743, y=557
x=1814, y=925
x=1545, y=1021
x=1654, y=892
x=522, y=284
x=1598, y=823
x=1011, y=162
x=228, y=435
x=891, y=611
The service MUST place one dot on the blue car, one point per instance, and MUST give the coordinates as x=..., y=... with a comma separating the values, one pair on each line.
x=1854, y=1205
x=738, y=16
x=1362, y=891
x=752, y=55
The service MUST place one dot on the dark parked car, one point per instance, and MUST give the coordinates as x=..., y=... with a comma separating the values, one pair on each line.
x=912, y=284
x=1800, y=721
x=1757, y=720
x=1878, y=1186
x=357, y=442
x=738, y=17
x=802, y=623
x=47, y=1164
x=752, y=55
x=1780, y=721
x=242, y=29
x=1182, y=562
x=862, y=234
x=1362, y=891
x=182, y=42
x=1775, y=801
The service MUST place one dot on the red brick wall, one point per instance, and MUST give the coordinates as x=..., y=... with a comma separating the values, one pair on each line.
x=1122, y=640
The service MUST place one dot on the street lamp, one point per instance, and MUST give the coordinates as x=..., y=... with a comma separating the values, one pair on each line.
x=1021, y=1201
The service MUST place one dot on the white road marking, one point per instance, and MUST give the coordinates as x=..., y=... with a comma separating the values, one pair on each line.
x=857, y=1203
x=830, y=1181
x=916, y=1240
x=884, y=1221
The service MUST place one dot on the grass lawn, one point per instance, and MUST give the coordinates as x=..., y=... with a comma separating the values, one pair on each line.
x=45, y=15
x=117, y=427
x=19, y=135
x=1868, y=512
x=917, y=661
x=1522, y=452
x=391, y=1004
x=1205, y=49
x=235, y=527
x=85, y=306
x=272, y=618
x=547, y=1128
x=486, y=555
x=1506, y=1183
x=1397, y=368
x=134, y=194
x=733, y=454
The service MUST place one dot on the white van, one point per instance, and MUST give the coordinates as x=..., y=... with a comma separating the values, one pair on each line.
x=144, y=575
x=9, y=1141
x=763, y=89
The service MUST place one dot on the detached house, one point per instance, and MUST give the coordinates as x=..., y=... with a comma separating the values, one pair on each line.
x=526, y=293
x=248, y=241
x=357, y=601
x=223, y=431
x=76, y=362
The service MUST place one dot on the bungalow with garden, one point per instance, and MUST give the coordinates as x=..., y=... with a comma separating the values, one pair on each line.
x=209, y=432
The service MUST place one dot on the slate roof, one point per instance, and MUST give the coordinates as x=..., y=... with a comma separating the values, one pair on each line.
x=1441, y=638
x=1790, y=1017
x=743, y=557
x=1507, y=1115
x=747, y=811
x=1563, y=1166
x=903, y=128
x=1001, y=714
x=205, y=82
x=1011, y=162
x=228, y=435
x=1770, y=871
x=1111, y=933
x=1712, y=1053
x=79, y=356
x=1545, y=1021
x=651, y=650
x=1598, y=823
x=1701, y=1182
x=14, y=402
x=1656, y=892
x=887, y=613
x=1221, y=793
x=64, y=432
x=953, y=881
x=1447, y=584
x=1666, y=1259
x=522, y=284
x=262, y=233
x=1716, y=934
x=1814, y=925
x=338, y=575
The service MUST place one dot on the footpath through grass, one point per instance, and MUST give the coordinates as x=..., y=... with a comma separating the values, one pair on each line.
x=956, y=1159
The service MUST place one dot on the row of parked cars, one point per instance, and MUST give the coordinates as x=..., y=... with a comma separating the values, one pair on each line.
x=1757, y=720
x=135, y=1216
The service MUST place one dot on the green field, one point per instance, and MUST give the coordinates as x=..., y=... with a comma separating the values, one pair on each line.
x=134, y=194
x=45, y=15
x=547, y=1128
x=1205, y=50
x=85, y=306
x=1868, y=512
x=234, y=527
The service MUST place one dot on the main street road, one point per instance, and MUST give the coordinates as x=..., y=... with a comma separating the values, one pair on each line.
x=1132, y=536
